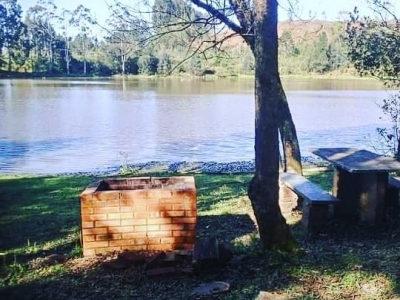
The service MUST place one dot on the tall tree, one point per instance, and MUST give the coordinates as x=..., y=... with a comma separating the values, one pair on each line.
x=11, y=28
x=82, y=20
x=264, y=188
x=256, y=22
x=65, y=19
x=124, y=35
x=40, y=20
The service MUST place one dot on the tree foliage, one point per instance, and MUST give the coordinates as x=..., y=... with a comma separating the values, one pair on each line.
x=373, y=44
x=69, y=42
x=373, y=47
x=12, y=30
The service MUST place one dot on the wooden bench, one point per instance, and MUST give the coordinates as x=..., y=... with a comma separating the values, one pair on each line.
x=315, y=200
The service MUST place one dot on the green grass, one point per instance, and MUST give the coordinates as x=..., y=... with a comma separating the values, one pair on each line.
x=41, y=216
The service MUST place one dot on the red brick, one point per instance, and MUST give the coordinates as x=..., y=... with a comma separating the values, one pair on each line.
x=87, y=224
x=91, y=231
x=159, y=207
x=139, y=208
x=108, y=249
x=170, y=240
x=133, y=222
x=106, y=203
x=105, y=210
x=133, y=235
x=125, y=209
x=106, y=195
x=108, y=237
x=173, y=213
x=159, y=221
x=159, y=193
x=183, y=207
x=141, y=228
x=94, y=217
x=108, y=223
x=88, y=238
x=140, y=241
x=161, y=247
x=86, y=210
x=121, y=243
x=120, y=229
x=114, y=216
x=153, y=227
x=134, y=194
x=154, y=214
x=190, y=213
x=165, y=233
x=126, y=201
x=90, y=245
x=172, y=227
x=153, y=241
x=183, y=220
x=135, y=247
x=152, y=200
x=141, y=215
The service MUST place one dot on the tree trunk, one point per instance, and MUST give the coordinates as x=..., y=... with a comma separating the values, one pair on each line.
x=287, y=129
x=264, y=187
x=290, y=143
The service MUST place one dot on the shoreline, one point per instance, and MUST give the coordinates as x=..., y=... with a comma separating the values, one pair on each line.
x=183, y=167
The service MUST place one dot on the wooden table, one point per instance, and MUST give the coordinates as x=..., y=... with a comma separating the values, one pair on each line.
x=359, y=182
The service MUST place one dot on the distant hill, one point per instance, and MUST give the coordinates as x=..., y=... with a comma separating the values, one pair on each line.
x=303, y=29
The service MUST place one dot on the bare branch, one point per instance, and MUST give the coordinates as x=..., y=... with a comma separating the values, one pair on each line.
x=219, y=15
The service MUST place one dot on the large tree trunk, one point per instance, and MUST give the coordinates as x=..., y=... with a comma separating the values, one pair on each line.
x=264, y=187
x=287, y=129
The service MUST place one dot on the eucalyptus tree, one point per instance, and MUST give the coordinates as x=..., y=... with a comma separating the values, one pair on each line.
x=83, y=21
x=255, y=21
x=40, y=22
x=12, y=30
x=125, y=36
x=373, y=48
x=65, y=22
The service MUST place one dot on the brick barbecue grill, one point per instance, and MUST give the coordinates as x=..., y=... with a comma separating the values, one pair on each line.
x=139, y=213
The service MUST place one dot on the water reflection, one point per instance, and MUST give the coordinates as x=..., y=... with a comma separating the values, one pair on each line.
x=53, y=126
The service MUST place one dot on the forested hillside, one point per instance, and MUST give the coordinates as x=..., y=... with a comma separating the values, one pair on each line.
x=69, y=43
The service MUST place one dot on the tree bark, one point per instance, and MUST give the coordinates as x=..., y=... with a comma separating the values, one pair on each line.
x=290, y=143
x=287, y=128
x=264, y=187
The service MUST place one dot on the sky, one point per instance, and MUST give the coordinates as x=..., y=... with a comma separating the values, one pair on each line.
x=318, y=9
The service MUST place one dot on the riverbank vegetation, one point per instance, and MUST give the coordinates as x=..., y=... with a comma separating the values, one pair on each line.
x=54, y=42
x=41, y=217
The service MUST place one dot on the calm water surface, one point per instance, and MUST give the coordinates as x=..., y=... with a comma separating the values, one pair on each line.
x=56, y=126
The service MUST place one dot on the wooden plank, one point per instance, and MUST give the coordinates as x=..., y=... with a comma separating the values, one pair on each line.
x=306, y=189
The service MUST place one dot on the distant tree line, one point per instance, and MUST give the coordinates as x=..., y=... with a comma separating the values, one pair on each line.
x=57, y=42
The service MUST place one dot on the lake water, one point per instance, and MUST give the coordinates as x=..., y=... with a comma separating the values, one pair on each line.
x=57, y=126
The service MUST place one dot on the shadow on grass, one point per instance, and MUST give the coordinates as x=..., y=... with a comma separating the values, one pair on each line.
x=38, y=210
x=348, y=261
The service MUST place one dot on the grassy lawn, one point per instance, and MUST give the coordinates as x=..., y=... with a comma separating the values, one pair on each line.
x=40, y=216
